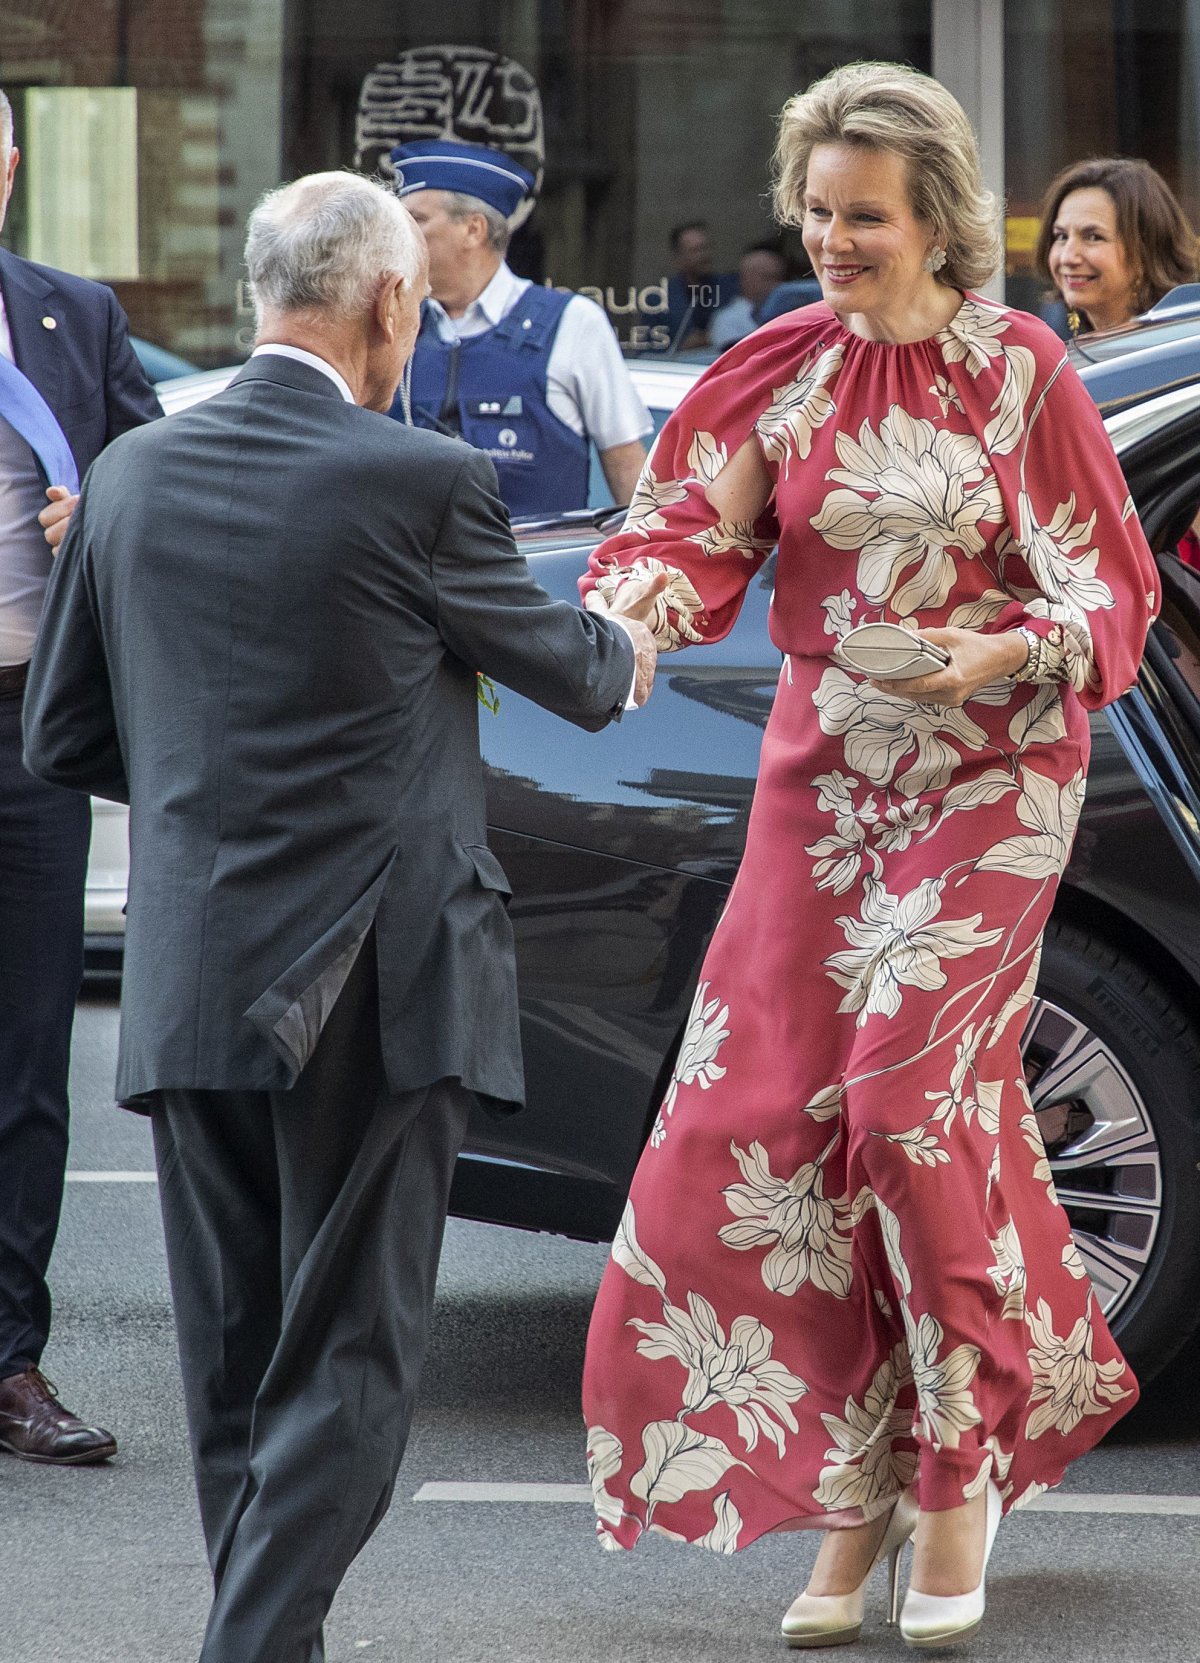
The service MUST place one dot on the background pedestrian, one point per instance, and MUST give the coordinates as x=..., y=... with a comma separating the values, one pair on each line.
x=761, y=270
x=529, y=375
x=695, y=290
x=1113, y=241
x=69, y=383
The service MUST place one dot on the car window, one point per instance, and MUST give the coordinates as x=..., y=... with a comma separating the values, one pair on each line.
x=1119, y=343
x=1130, y=427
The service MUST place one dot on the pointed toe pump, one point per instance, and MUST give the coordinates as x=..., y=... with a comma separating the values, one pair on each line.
x=930, y=1621
x=836, y=1619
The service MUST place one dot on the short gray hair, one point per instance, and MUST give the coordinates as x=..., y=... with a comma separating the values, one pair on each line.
x=325, y=242
x=6, y=122
x=459, y=206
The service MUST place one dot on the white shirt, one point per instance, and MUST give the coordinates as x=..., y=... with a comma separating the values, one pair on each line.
x=732, y=322
x=25, y=556
x=6, y=346
x=310, y=358
x=588, y=385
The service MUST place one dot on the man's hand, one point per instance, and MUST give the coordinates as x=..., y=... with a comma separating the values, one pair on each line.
x=645, y=650
x=635, y=598
x=55, y=519
x=976, y=661
x=633, y=606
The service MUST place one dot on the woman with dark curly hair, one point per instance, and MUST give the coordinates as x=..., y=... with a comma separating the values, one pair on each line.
x=1113, y=241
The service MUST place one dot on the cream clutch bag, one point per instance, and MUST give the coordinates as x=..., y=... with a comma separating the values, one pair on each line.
x=889, y=652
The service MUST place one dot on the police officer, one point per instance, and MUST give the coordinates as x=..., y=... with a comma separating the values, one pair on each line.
x=527, y=374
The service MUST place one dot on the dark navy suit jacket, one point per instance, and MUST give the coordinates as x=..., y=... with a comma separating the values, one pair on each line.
x=84, y=367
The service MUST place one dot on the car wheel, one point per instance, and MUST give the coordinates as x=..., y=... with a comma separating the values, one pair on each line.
x=1113, y=1067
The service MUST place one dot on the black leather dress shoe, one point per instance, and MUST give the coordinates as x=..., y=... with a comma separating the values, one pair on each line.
x=35, y=1426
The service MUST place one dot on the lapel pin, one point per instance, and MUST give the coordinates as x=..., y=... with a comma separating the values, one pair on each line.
x=49, y=323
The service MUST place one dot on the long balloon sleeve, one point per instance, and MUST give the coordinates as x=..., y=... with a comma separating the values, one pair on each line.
x=1085, y=585
x=671, y=524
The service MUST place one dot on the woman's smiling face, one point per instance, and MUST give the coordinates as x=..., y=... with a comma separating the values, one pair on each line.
x=866, y=245
x=1088, y=261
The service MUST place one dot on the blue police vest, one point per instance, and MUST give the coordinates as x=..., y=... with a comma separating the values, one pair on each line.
x=491, y=388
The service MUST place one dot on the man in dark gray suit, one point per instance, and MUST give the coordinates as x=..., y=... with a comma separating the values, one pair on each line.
x=263, y=633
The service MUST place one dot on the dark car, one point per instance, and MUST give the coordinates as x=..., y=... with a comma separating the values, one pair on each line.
x=621, y=848
x=158, y=363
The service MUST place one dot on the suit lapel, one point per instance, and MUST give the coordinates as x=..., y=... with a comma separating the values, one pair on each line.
x=28, y=298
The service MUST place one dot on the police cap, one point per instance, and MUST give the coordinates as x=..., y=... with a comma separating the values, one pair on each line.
x=474, y=169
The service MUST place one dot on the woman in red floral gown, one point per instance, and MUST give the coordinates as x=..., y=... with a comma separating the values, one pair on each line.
x=843, y=1271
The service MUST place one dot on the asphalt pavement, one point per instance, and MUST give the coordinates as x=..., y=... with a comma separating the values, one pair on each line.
x=105, y=1565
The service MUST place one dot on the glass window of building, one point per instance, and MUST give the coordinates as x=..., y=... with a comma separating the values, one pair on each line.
x=149, y=130
x=1095, y=78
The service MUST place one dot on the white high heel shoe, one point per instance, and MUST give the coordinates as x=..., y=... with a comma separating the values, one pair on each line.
x=837, y=1619
x=929, y=1621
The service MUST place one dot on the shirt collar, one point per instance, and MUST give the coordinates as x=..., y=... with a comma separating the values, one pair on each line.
x=309, y=358
x=492, y=302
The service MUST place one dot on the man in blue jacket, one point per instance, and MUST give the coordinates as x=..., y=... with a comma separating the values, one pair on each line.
x=528, y=375
x=69, y=382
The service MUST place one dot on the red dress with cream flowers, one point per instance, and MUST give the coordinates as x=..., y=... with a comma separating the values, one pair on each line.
x=843, y=1266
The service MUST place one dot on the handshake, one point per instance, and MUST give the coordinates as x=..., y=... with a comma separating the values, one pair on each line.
x=632, y=606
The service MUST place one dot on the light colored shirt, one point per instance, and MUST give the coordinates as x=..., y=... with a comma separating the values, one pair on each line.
x=588, y=385
x=25, y=556
x=310, y=358
x=301, y=356
x=732, y=322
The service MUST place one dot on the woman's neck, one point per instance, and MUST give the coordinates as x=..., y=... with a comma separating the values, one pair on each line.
x=917, y=318
x=1109, y=317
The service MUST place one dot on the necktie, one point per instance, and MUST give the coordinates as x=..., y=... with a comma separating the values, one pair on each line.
x=25, y=410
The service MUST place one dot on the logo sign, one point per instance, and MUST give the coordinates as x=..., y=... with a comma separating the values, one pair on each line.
x=451, y=92
x=506, y=437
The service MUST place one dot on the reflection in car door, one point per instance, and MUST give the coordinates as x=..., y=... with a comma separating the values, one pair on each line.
x=620, y=847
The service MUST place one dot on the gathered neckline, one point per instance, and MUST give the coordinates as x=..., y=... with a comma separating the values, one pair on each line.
x=969, y=298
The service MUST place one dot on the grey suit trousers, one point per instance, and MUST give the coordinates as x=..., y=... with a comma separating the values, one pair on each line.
x=303, y=1233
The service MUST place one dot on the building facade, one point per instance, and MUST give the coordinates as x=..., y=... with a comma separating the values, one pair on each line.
x=148, y=128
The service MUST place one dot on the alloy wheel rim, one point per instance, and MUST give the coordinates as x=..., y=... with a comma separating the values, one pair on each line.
x=1102, y=1148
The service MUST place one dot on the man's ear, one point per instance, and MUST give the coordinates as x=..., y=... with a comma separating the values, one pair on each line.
x=6, y=184
x=387, y=305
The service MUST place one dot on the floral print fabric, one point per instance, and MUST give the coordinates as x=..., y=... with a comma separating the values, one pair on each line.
x=843, y=1265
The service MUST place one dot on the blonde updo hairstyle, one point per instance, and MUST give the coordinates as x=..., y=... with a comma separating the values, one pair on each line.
x=889, y=107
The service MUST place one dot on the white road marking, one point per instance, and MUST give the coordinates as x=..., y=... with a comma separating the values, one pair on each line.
x=1054, y=1502
x=504, y=1492
x=82, y=1177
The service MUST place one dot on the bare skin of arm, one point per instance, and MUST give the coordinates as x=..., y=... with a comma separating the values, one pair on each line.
x=740, y=492
x=743, y=487
x=622, y=464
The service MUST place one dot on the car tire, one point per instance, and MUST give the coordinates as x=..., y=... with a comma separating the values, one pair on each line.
x=1156, y=1045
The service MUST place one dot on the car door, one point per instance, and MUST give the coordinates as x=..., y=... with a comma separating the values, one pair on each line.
x=620, y=847
x=1159, y=722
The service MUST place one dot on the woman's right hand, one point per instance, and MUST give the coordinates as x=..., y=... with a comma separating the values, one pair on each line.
x=634, y=598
